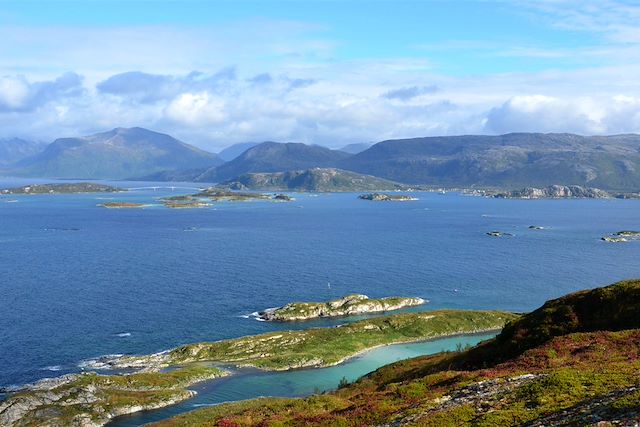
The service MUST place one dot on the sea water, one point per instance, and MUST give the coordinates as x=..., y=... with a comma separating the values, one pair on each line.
x=78, y=281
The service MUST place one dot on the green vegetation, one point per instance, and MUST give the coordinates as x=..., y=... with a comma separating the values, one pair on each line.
x=574, y=361
x=90, y=398
x=328, y=346
x=349, y=305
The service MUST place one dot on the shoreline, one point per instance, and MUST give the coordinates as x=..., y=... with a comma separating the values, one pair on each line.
x=241, y=371
x=227, y=371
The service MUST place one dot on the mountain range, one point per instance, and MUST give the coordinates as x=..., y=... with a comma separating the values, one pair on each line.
x=504, y=161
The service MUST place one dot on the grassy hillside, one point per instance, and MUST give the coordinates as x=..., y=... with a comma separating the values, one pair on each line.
x=574, y=361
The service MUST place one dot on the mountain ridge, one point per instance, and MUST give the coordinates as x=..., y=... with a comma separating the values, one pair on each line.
x=116, y=154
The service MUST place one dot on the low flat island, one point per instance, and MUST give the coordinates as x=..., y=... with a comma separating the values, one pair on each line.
x=382, y=197
x=122, y=205
x=63, y=188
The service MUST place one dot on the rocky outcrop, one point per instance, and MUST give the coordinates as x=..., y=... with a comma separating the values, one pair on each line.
x=555, y=192
x=621, y=236
x=89, y=399
x=349, y=305
x=499, y=234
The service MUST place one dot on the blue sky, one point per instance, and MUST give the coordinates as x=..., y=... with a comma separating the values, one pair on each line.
x=326, y=72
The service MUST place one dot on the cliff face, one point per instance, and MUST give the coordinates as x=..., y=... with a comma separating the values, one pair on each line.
x=349, y=305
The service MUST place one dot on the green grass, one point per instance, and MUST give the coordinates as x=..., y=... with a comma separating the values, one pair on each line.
x=326, y=346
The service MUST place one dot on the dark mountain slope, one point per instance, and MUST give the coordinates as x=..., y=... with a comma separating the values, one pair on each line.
x=274, y=157
x=13, y=150
x=235, y=150
x=512, y=160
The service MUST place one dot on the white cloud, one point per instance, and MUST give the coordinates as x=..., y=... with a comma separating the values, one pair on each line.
x=196, y=109
x=585, y=115
x=18, y=94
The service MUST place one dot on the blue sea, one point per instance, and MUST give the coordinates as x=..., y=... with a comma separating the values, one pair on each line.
x=78, y=281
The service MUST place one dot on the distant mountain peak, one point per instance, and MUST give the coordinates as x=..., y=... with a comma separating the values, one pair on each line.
x=116, y=154
x=271, y=156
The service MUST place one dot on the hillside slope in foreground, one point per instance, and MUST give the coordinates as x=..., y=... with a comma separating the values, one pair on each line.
x=573, y=361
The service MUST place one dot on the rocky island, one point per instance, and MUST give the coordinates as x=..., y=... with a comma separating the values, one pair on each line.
x=349, y=305
x=218, y=194
x=122, y=205
x=312, y=180
x=183, y=202
x=622, y=236
x=63, y=188
x=382, y=197
x=499, y=234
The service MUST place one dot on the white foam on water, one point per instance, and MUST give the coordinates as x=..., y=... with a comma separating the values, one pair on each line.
x=101, y=362
x=52, y=368
x=124, y=334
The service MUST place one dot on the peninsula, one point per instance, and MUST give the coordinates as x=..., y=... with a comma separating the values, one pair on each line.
x=319, y=347
x=349, y=305
x=63, y=188
x=90, y=399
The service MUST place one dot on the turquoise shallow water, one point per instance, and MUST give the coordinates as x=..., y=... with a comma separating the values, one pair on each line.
x=250, y=384
x=78, y=281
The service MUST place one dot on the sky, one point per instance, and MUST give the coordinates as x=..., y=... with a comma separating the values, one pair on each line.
x=327, y=72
